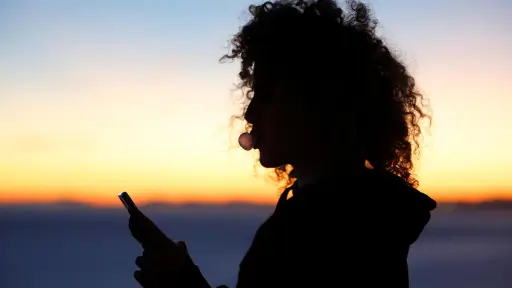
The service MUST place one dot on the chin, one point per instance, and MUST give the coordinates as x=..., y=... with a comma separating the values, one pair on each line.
x=268, y=161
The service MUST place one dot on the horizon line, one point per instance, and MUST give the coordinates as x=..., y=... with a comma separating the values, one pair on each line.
x=217, y=204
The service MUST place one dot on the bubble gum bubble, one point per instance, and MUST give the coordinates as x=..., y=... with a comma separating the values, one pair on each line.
x=246, y=141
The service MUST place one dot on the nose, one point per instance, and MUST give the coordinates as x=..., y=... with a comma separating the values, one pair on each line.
x=251, y=112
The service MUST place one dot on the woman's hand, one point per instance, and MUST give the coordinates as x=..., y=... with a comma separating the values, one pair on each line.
x=163, y=263
x=163, y=267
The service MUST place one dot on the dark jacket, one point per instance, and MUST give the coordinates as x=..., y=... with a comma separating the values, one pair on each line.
x=339, y=233
x=343, y=232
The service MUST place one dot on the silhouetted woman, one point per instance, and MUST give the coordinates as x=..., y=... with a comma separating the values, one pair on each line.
x=326, y=98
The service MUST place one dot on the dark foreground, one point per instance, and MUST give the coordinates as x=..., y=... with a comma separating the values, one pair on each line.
x=83, y=248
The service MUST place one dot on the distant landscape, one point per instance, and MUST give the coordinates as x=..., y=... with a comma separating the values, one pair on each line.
x=62, y=245
x=234, y=206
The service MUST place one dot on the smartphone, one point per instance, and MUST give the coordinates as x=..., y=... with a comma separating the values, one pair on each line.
x=127, y=201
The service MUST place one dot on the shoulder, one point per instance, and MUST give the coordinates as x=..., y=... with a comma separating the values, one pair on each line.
x=352, y=217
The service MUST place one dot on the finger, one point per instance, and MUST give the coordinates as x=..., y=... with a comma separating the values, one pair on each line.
x=143, y=280
x=152, y=260
x=182, y=245
x=140, y=262
x=150, y=256
x=151, y=264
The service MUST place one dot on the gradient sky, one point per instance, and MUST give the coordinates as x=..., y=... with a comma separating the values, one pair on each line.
x=103, y=96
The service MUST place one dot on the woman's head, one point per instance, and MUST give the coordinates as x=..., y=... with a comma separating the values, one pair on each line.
x=319, y=84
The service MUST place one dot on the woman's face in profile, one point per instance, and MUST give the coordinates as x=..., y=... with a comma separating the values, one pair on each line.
x=280, y=127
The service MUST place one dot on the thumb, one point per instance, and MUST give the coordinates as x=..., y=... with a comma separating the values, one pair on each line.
x=181, y=245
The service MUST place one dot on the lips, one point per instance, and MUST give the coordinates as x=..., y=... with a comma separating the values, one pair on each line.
x=254, y=138
x=254, y=141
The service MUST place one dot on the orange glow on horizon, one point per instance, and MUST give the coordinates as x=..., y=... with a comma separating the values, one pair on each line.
x=108, y=198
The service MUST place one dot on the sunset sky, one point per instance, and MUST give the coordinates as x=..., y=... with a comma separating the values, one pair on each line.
x=98, y=97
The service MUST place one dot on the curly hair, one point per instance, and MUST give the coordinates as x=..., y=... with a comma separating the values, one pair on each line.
x=336, y=53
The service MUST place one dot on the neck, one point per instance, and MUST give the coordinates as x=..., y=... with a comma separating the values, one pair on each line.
x=310, y=171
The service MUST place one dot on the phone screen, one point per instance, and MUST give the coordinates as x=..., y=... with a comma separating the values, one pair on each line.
x=127, y=201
